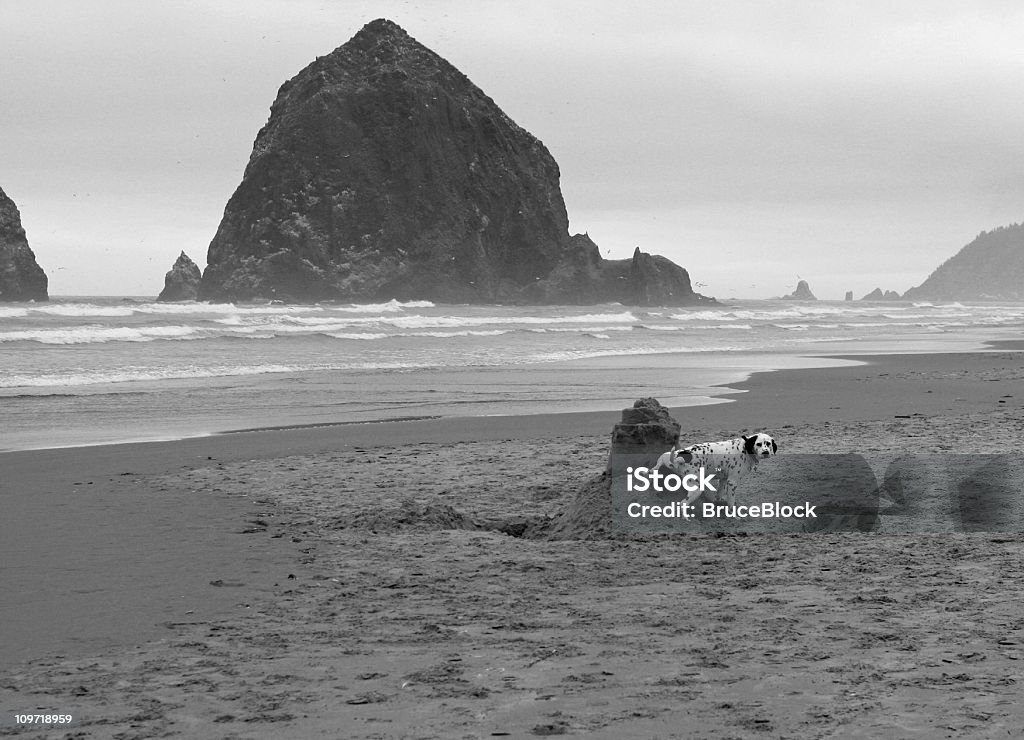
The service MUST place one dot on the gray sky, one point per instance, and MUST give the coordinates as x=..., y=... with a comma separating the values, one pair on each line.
x=853, y=144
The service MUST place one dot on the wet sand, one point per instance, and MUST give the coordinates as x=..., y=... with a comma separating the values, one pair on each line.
x=361, y=581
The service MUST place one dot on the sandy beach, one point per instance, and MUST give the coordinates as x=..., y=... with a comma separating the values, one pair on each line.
x=420, y=579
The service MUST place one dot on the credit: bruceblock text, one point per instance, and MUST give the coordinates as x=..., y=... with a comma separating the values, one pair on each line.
x=683, y=510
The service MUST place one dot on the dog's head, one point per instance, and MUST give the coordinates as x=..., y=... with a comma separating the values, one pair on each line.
x=759, y=445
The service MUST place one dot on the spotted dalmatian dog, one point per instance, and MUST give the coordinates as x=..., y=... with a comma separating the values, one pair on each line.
x=730, y=460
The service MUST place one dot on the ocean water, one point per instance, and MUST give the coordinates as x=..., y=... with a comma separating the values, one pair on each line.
x=79, y=371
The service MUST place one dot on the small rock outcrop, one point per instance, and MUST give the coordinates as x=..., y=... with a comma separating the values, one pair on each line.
x=989, y=268
x=181, y=283
x=878, y=295
x=849, y=296
x=21, y=277
x=657, y=281
x=802, y=293
x=384, y=173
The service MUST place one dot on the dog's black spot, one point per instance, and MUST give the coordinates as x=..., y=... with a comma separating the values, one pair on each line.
x=686, y=455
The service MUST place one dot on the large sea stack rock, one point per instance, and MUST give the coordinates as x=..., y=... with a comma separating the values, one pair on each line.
x=181, y=283
x=802, y=293
x=383, y=172
x=989, y=268
x=21, y=278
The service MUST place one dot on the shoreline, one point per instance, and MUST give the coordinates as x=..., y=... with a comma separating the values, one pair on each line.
x=770, y=390
x=727, y=393
x=459, y=392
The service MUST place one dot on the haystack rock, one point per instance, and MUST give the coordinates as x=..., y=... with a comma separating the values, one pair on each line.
x=181, y=283
x=21, y=278
x=384, y=173
x=802, y=293
x=849, y=296
x=989, y=268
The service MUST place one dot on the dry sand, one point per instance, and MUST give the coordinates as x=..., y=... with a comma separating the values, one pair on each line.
x=367, y=581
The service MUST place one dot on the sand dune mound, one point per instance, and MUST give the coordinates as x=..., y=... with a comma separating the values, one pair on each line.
x=433, y=516
x=588, y=515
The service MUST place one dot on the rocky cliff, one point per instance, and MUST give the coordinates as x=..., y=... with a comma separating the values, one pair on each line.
x=383, y=172
x=21, y=278
x=181, y=283
x=989, y=268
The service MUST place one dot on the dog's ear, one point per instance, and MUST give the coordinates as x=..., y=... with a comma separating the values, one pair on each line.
x=687, y=456
x=775, y=447
x=748, y=443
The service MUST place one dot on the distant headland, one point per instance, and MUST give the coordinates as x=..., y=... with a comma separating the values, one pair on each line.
x=989, y=268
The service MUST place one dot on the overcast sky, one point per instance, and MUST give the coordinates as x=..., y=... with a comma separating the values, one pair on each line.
x=853, y=144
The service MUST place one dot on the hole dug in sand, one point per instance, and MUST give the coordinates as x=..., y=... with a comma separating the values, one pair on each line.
x=419, y=515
